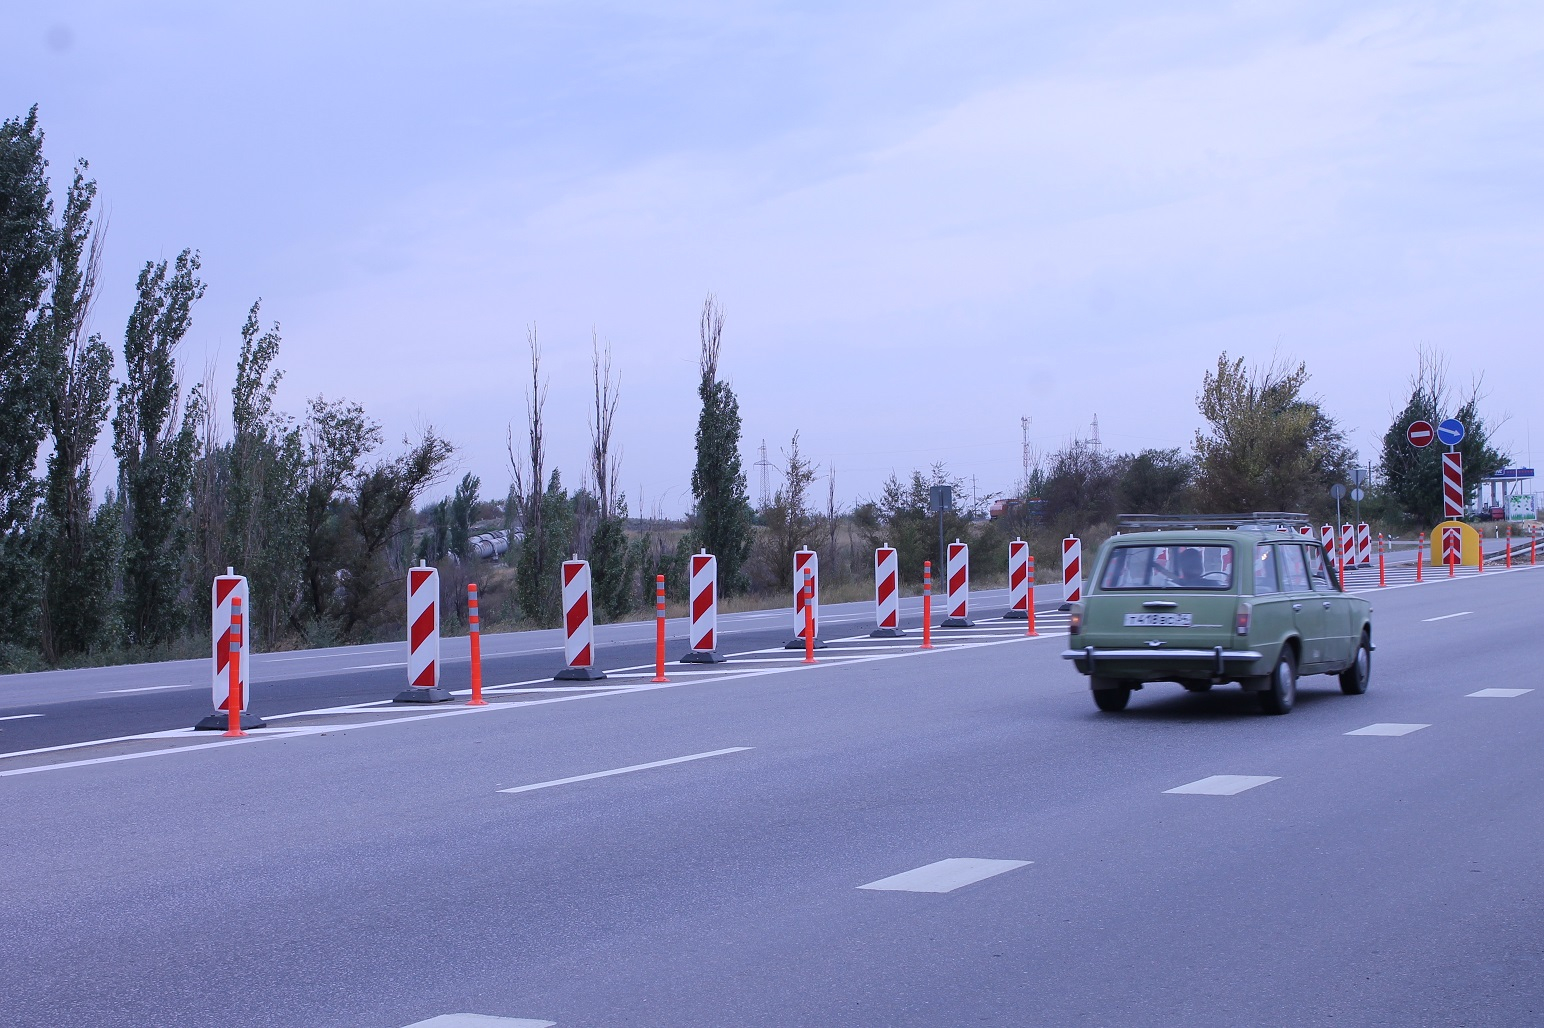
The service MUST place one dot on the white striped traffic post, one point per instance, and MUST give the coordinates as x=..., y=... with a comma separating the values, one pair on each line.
x=578, y=625
x=703, y=597
x=1348, y=544
x=1018, y=581
x=805, y=560
x=423, y=638
x=1072, y=570
x=1453, y=486
x=227, y=589
x=887, y=594
x=1327, y=537
x=957, y=582
x=1364, y=544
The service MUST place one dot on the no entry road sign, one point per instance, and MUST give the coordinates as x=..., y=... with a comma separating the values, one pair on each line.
x=1451, y=432
x=1420, y=433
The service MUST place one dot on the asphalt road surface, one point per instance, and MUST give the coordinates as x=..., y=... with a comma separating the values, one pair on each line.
x=890, y=837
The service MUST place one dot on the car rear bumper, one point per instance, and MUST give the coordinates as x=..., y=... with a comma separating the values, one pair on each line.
x=1149, y=663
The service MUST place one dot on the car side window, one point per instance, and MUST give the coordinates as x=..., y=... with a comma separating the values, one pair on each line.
x=1319, y=572
x=1265, y=581
x=1294, y=573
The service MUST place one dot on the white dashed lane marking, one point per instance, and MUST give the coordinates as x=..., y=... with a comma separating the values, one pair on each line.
x=626, y=770
x=1444, y=617
x=1388, y=729
x=1223, y=785
x=1504, y=694
x=17, y=717
x=480, y=1021
x=945, y=875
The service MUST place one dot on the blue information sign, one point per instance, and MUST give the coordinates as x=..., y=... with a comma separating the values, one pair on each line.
x=1451, y=432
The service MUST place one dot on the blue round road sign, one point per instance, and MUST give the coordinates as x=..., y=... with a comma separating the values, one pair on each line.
x=1451, y=432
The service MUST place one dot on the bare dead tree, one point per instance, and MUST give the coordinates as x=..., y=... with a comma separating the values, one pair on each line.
x=528, y=468
x=711, y=332
x=605, y=465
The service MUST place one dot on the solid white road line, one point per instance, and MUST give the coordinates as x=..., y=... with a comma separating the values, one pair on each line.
x=1504, y=694
x=626, y=770
x=1444, y=617
x=372, y=667
x=480, y=1021
x=1390, y=729
x=945, y=875
x=1223, y=785
x=147, y=688
x=18, y=717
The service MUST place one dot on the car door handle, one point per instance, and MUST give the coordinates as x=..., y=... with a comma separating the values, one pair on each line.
x=1297, y=606
x=1326, y=604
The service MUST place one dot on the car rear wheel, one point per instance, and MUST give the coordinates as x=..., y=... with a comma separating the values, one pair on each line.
x=1353, y=680
x=1110, y=695
x=1282, y=691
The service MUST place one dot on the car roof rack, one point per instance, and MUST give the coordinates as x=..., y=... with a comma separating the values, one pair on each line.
x=1259, y=521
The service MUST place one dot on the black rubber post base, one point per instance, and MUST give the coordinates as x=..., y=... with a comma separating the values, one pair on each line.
x=1016, y=615
x=956, y=623
x=579, y=674
x=219, y=721
x=886, y=633
x=418, y=694
x=703, y=657
x=797, y=643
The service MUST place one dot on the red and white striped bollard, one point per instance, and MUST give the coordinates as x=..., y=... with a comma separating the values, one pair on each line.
x=957, y=586
x=703, y=598
x=423, y=638
x=887, y=594
x=1018, y=581
x=805, y=560
x=1072, y=570
x=578, y=625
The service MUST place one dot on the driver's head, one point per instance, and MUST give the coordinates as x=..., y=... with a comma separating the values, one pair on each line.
x=1189, y=564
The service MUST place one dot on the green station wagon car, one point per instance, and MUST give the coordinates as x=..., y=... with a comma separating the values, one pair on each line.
x=1203, y=601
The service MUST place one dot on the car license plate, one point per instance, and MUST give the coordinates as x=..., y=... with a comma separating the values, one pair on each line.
x=1157, y=620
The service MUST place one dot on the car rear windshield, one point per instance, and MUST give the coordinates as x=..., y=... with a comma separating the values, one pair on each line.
x=1168, y=567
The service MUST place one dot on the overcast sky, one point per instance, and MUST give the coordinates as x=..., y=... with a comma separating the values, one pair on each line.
x=1046, y=209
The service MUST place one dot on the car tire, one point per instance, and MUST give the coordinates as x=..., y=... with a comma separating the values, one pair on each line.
x=1110, y=695
x=1282, y=691
x=1353, y=680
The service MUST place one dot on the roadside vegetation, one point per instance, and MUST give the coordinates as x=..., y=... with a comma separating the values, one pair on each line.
x=324, y=515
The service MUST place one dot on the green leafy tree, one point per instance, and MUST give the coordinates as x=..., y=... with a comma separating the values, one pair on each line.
x=1154, y=481
x=1080, y=487
x=337, y=437
x=790, y=522
x=265, y=524
x=155, y=454
x=539, y=581
x=81, y=544
x=722, y=520
x=460, y=514
x=901, y=518
x=27, y=249
x=380, y=519
x=1412, y=477
x=1267, y=445
x=613, y=563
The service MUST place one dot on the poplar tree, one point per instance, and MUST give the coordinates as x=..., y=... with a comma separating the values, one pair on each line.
x=155, y=453
x=723, y=508
x=80, y=546
x=27, y=241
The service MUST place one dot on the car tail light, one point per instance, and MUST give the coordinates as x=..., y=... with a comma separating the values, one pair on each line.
x=1075, y=623
x=1241, y=620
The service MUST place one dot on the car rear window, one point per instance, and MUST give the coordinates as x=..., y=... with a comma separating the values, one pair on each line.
x=1168, y=567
